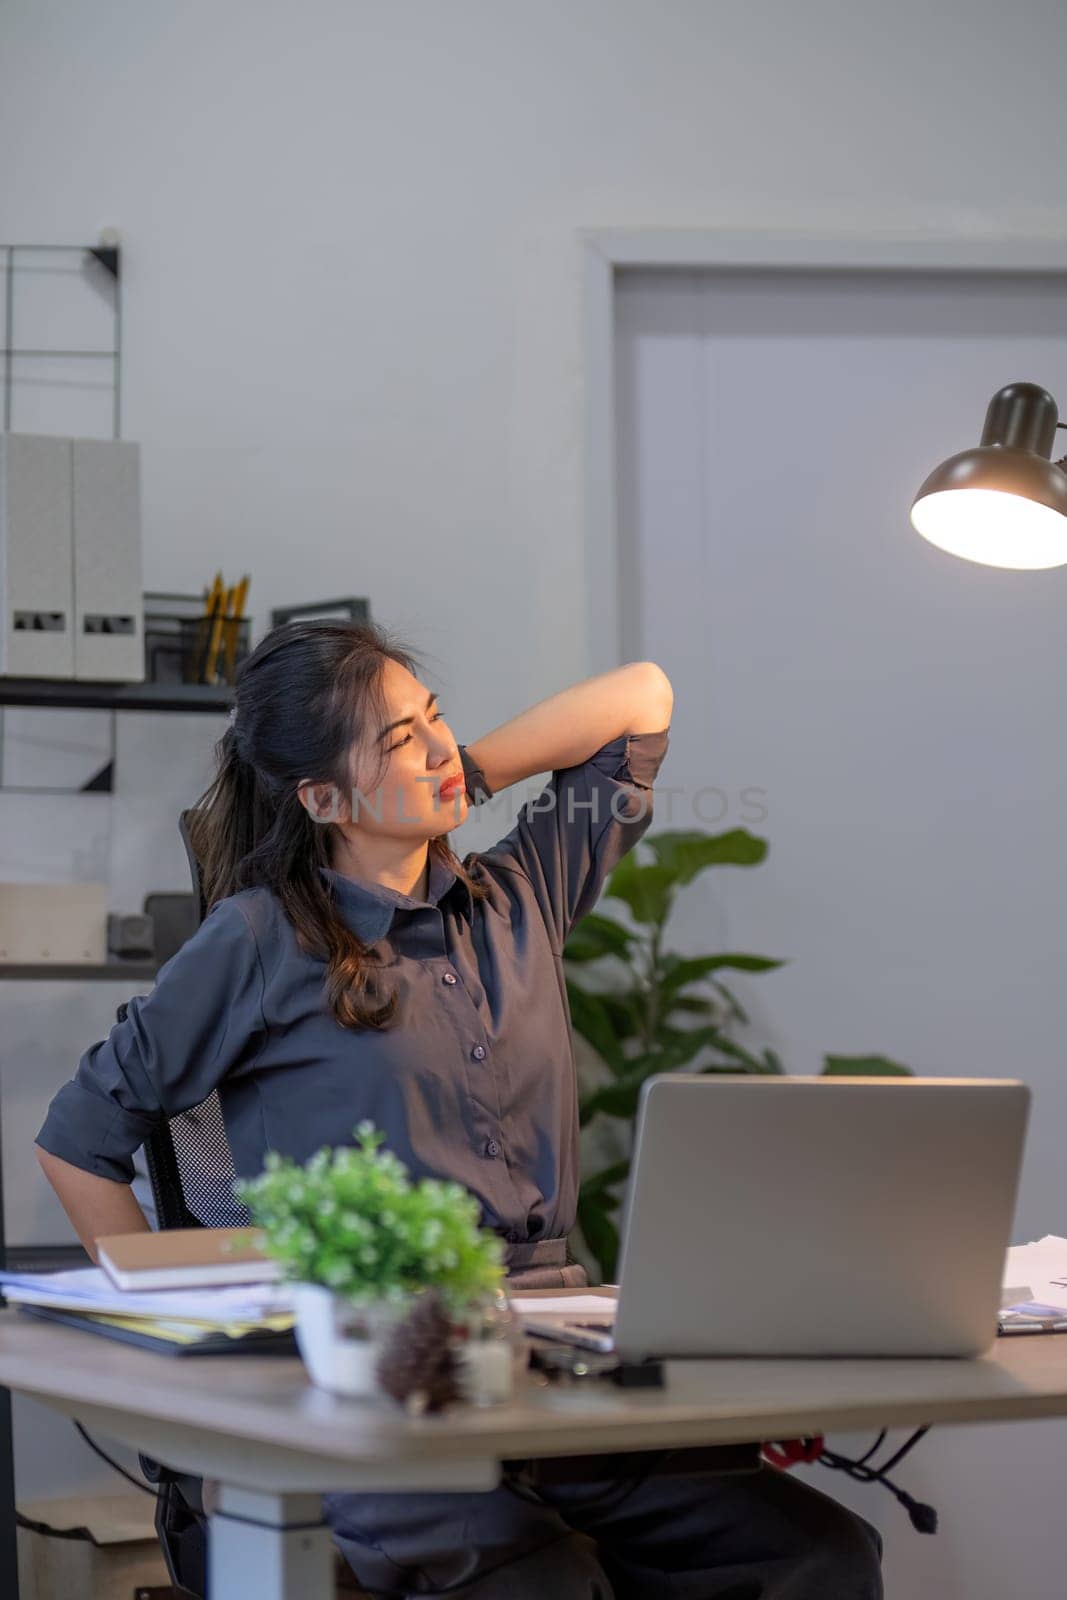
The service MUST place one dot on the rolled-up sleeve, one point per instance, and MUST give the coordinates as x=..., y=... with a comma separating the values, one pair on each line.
x=568, y=840
x=203, y=1017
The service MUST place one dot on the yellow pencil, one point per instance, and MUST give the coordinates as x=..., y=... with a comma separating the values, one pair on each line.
x=203, y=632
x=222, y=610
x=235, y=625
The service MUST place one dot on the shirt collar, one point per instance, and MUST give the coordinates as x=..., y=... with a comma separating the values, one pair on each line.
x=369, y=908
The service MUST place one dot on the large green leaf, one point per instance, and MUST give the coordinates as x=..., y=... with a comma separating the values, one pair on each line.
x=591, y=1019
x=734, y=1008
x=597, y=936
x=863, y=1067
x=686, y=852
x=692, y=1005
x=678, y=971
x=747, y=1061
x=648, y=891
x=600, y=1233
x=723, y=1068
x=677, y=1048
x=605, y=1179
x=614, y=1100
x=625, y=1012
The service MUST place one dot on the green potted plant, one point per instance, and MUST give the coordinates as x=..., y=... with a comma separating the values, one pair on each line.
x=372, y=1255
x=649, y=1009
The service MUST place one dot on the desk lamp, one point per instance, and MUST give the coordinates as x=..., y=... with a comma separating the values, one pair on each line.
x=1003, y=504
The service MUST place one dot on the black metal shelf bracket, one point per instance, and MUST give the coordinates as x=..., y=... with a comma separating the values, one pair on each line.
x=109, y=259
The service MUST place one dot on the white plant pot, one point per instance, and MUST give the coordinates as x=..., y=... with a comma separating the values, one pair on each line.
x=341, y=1342
x=332, y=1337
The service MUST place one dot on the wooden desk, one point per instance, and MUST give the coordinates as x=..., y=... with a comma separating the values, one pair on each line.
x=276, y=1442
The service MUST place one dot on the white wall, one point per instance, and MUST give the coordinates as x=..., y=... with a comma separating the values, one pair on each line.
x=352, y=302
x=353, y=314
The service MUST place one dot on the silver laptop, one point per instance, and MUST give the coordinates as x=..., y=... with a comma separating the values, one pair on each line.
x=812, y=1217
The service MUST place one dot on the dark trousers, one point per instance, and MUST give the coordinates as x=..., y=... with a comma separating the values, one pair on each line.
x=753, y=1536
x=622, y=1533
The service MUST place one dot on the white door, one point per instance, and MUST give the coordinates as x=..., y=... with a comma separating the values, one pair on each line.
x=892, y=720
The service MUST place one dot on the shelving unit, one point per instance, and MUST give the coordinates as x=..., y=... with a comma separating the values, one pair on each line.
x=86, y=694
x=58, y=971
x=81, y=694
x=107, y=258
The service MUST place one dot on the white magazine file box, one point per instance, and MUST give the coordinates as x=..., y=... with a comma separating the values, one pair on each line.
x=36, y=565
x=108, y=601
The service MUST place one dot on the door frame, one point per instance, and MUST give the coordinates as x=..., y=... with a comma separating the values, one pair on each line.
x=607, y=251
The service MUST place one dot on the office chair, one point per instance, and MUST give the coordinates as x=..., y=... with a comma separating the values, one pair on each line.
x=190, y=1167
x=191, y=1172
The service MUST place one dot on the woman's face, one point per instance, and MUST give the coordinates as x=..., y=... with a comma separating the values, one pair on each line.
x=401, y=770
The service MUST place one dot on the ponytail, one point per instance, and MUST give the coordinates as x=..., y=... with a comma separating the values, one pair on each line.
x=302, y=696
x=230, y=821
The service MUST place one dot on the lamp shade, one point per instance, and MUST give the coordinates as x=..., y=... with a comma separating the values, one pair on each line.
x=1004, y=503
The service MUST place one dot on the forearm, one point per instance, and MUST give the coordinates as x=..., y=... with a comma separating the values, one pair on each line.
x=96, y=1206
x=567, y=728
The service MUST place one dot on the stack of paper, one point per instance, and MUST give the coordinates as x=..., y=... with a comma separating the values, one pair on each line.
x=184, y=1321
x=573, y=1305
x=1041, y=1266
x=1035, y=1287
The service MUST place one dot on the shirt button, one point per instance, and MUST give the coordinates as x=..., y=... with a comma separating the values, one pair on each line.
x=478, y=1052
x=492, y=1148
x=449, y=977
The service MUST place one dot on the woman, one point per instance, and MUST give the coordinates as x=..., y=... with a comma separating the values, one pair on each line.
x=351, y=966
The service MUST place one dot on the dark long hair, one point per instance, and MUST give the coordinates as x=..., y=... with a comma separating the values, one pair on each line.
x=307, y=691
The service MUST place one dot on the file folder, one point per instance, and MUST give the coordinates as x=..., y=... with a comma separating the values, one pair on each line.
x=36, y=566
x=108, y=602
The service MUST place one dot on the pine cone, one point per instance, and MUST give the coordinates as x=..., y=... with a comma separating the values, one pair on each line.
x=416, y=1365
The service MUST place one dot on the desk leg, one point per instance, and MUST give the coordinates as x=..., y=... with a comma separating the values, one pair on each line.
x=272, y=1546
x=9, y=1557
x=9, y=1560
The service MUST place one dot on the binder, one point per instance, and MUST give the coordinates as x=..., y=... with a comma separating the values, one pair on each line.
x=260, y=1342
x=108, y=602
x=36, y=566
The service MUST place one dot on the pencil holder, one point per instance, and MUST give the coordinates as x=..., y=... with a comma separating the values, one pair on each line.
x=177, y=639
x=213, y=650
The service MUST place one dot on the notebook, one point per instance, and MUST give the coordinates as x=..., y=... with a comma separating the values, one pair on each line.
x=182, y=1258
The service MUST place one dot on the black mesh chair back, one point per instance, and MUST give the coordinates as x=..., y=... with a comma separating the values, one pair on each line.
x=205, y=1166
x=190, y=1166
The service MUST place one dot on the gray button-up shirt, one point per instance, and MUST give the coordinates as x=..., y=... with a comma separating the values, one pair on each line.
x=476, y=1080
